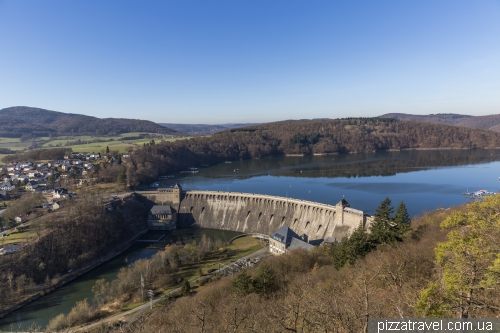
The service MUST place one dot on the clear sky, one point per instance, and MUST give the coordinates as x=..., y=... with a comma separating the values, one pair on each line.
x=212, y=61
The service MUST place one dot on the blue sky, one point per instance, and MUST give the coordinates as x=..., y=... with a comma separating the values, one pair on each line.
x=215, y=61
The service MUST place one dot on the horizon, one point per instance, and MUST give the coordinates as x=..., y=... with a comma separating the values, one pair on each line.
x=251, y=62
x=237, y=123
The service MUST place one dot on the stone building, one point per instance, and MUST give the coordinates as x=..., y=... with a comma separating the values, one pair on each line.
x=162, y=217
x=285, y=239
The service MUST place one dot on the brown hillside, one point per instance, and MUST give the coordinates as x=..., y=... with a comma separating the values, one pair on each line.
x=491, y=122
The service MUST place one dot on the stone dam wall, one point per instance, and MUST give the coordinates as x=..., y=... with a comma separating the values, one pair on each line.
x=257, y=213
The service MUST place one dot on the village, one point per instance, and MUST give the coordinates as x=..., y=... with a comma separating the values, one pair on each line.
x=52, y=180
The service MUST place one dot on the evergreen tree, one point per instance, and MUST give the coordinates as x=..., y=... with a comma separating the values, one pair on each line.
x=402, y=219
x=265, y=282
x=242, y=283
x=107, y=149
x=186, y=288
x=383, y=228
x=358, y=245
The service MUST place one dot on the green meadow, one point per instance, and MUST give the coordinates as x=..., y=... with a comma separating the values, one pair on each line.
x=115, y=143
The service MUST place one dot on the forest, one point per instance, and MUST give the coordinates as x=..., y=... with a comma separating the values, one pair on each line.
x=301, y=137
x=32, y=122
x=68, y=239
x=446, y=265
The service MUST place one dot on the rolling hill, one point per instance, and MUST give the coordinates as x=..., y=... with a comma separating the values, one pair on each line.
x=491, y=122
x=203, y=129
x=22, y=120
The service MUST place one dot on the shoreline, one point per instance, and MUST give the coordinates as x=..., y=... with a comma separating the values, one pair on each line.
x=381, y=150
x=74, y=275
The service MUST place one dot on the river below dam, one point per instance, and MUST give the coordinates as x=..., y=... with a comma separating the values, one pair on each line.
x=424, y=180
x=40, y=311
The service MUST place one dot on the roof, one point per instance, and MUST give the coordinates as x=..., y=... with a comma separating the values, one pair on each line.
x=177, y=186
x=284, y=235
x=157, y=210
x=343, y=203
x=298, y=244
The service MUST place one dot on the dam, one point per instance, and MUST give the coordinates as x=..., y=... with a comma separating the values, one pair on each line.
x=256, y=213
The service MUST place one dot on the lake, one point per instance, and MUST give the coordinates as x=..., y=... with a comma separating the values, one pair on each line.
x=424, y=180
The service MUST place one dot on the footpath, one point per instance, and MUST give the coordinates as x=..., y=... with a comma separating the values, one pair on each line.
x=131, y=315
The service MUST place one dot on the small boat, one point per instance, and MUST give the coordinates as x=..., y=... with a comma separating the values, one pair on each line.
x=236, y=170
x=227, y=162
x=478, y=194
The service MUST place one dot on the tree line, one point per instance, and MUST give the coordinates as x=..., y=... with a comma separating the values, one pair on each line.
x=301, y=137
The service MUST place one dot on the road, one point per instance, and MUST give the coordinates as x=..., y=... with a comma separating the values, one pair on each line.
x=132, y=315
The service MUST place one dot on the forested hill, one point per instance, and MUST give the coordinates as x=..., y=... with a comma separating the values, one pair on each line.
x=203, y=129
x=19, y=120
x=302, y=137
x=491, y=122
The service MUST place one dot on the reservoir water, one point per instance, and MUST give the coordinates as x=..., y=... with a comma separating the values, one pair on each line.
x=424, y=180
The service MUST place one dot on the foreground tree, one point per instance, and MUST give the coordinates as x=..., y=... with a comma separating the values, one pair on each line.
x=469, y=262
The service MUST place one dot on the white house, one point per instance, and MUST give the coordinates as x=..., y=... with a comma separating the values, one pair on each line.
x=31, y=185
x=21, y=218
x=7, y=186
x=32, y=174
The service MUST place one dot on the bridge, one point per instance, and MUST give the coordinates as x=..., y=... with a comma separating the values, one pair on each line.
x=255, y=235
x=258, y=213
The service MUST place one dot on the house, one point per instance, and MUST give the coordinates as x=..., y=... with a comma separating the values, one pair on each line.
x=162, y=217
x=58, y=192
x=285, y=239
x=66, y=167
x=33, y=174
x=11, y=248
x=7, y=186
x=77, y=162
x=31, y=185
x=21, y=218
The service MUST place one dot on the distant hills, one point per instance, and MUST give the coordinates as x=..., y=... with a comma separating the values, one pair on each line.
x=491, y=122
x=305, y=137
x=22, y=120
x=204, y=129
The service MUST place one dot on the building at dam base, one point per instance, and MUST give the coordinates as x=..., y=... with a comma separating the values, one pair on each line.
x=256, y=213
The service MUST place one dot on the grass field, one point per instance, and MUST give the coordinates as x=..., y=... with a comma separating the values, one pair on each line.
x=118, y=144
x=15, y=237
x=238, y=248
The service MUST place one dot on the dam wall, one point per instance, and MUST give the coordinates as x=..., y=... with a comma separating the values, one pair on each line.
x=256, y=213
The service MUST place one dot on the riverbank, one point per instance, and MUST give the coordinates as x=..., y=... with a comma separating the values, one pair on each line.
x=72, y=275
x=132, y=315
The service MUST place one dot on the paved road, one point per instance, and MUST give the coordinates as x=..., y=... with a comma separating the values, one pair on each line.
x=131, y=315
